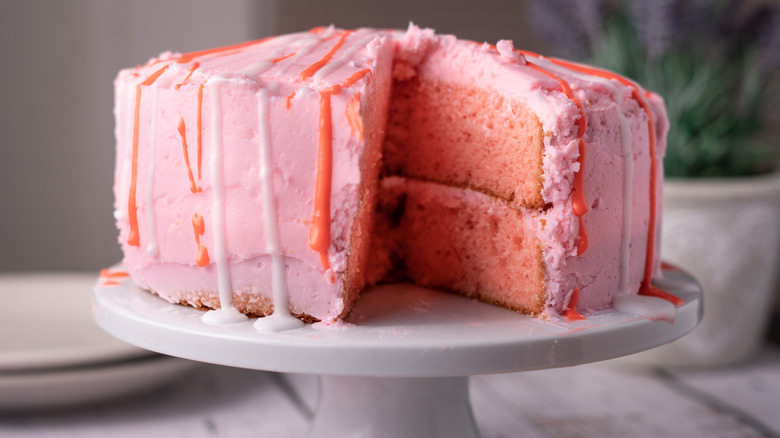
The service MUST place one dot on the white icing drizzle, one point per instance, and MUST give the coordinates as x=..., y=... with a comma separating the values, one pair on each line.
x=281, y=318
x=151, y=246
x=218, y=59
x=303, y=51
x=227, y=313
x=259, y=67
x=628, y=177
x=654, y=308
x=346, y=56
x=127, y=152
x=626, y=140
x=284, y=44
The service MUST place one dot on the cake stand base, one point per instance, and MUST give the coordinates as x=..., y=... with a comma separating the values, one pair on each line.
x=400, y=366
x=389, y=407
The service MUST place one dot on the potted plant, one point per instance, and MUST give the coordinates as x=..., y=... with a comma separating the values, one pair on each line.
x=714, y=64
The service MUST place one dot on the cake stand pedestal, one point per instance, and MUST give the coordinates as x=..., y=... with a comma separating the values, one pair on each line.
x=400, y=367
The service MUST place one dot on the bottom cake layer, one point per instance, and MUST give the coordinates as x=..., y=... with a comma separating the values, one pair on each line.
x=461, y=240
x=252, y=290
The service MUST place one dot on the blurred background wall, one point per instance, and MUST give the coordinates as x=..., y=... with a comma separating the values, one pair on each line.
x=56, y=123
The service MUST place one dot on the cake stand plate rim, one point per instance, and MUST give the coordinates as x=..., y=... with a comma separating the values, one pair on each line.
x=439, y=335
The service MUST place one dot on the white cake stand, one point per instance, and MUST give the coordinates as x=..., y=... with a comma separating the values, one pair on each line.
x=401, y=369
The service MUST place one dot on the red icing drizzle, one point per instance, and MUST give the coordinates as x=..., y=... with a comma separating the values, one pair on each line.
x=187, y=57
x=288, y=100
x=111, y=278
x=283, y=57
x=310, y=70
x=106, y=273
x=134, y=239
x=669, y=267
x=319, y=238
x=183, y=133
x=199, y=227
x=578, y=203
x=358, y=75
x=646, y=288
x=571, y=312
x=194, y=67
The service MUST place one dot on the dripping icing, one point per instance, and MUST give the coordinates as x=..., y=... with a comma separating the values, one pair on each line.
x=134, y=238
x=281, y=318
x=331, y=66
x=646, y=287
x=320, y=228
x=227, y=313
x=571, y=313
x=127, y=151
x=312, y=69
x=300, y=54
x=626, y=141
x=183, y=134
x=199, y=229
x=578, y=203
x=200, y=129
x=151, y=223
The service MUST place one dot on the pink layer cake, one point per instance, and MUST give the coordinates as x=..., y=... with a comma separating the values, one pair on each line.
x=292, y=172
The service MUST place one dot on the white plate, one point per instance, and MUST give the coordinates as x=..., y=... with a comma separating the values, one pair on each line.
x=79, y=386
x=47, y=323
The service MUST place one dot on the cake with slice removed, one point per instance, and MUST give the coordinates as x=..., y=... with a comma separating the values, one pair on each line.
x=290, y=173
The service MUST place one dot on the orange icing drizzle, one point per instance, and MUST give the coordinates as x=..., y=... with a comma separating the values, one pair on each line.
x=288, y=100
x=194, y=67
x=106, y=273
x=183, y=133
x=578, y=203
x=283, y=57
x=200, y=128
x=646, y=288
x=110, y=278
x=199, y=227
x=134, y=239
x=669, y=267
x=354, y=118
x=310, y=70
x=571, y=312
x=318, y=29
x=358, y=75
x=319, y=237
x=187, y=57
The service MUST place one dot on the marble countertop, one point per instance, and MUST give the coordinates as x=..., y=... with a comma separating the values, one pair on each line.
x=605, y=399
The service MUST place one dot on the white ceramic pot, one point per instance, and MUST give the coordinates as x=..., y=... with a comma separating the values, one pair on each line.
x=726, y=232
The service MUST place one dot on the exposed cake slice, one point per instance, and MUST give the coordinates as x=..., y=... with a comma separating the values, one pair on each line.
x=516, y=129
